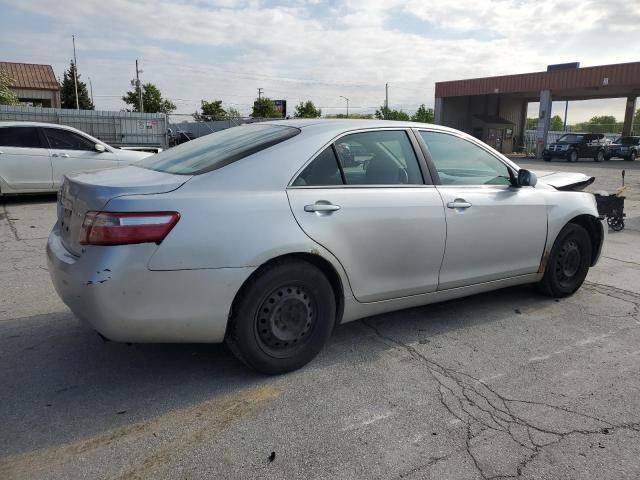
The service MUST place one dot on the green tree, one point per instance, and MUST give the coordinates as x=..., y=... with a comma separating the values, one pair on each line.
x=68, y=91
x=557, y=124
x=307, y=110
x=385, y=113
x=532, y=123
x=232, y=114
x=603, y=120
x=424, y=115
x=211, y=111
x=363, y=116
x=636, y=120
x=152, y=100
x=600, y=124
x=7, y=97
x=264, y=108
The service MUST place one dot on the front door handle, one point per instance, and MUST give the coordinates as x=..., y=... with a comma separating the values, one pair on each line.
x=321, y=207
x=63, y=155
x=459, y=203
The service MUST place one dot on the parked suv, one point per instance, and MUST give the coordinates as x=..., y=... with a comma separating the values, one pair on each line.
x=34, y=157
x=624, y=147
x=573, y=146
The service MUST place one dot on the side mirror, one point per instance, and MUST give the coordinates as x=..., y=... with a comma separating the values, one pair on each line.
x=526, y=178
x=99, y=148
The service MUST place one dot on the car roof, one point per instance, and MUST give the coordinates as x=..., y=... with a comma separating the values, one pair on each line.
x=330, y=125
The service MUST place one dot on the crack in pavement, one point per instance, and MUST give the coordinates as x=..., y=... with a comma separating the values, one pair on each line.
x=12, y=227
x=485, y=411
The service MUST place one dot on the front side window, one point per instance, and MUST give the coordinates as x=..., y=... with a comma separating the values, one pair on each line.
x=24, y=137
x=460, y=162
x=218, y=149
x=66, y=140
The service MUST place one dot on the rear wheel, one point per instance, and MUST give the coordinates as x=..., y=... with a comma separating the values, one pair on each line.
x=282, y=318
x=632, y=157
x=573, y=156
x=568, y=263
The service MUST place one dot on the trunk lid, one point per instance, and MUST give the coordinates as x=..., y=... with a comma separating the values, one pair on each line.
x=85, y=191
x=565, y=180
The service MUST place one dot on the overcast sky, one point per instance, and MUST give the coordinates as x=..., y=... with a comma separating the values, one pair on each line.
x=297, y=50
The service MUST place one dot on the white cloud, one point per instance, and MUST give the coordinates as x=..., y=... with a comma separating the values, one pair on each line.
x=227, y=49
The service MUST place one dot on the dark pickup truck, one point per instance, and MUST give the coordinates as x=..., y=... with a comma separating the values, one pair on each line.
x=573, y=146
x=624, y=147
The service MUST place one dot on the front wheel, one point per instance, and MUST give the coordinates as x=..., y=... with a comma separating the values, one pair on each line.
x=282, y=318
x=568, y=263
x=632, y=157
x=546, y=158
x=573, y=156
x=599, y=156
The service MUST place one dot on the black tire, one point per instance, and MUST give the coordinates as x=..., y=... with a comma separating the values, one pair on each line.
x=616, y=223
x=573, y=156
x=282, y=317
x=568, y=263
x=546, y=159
x=599, y=157
x=632, y=157
x=607, y=157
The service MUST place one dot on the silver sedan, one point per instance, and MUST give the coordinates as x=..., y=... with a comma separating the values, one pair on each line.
x=269, y=235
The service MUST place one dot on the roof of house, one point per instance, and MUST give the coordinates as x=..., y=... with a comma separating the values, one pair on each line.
x=30, y=76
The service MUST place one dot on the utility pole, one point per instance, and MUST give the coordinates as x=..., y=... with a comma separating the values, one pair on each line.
x=347, y=104
x=139, y=88
x=75, y=72
x=91, y=90
x=386, y=96
x=260, y=92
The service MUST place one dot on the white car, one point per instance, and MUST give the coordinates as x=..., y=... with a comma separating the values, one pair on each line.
x=34, y=157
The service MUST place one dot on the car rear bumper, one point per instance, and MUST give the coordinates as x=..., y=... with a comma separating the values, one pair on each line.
x=112, y=290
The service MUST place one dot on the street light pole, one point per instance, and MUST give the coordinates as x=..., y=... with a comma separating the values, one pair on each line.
x=75, y=72
x=347, y=104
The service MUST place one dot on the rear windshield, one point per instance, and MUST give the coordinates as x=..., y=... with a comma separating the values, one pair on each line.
x=218, y=149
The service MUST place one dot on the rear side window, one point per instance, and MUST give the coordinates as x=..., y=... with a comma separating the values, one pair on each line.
x=218, y=149
x=383, y=157
x=25, y=137
x=324, y=170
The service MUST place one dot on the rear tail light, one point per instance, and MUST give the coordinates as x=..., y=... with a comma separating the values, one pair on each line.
x=111, y=228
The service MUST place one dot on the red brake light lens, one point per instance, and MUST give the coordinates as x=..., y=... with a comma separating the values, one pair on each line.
x=112, y=228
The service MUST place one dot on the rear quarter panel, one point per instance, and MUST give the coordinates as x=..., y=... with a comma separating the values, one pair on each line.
x=224, y=227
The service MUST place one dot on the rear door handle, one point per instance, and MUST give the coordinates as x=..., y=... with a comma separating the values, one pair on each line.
x=321, y=207
x=63, y=155
x=458, y=203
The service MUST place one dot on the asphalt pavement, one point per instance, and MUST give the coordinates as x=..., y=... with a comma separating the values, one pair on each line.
x=508, y=384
